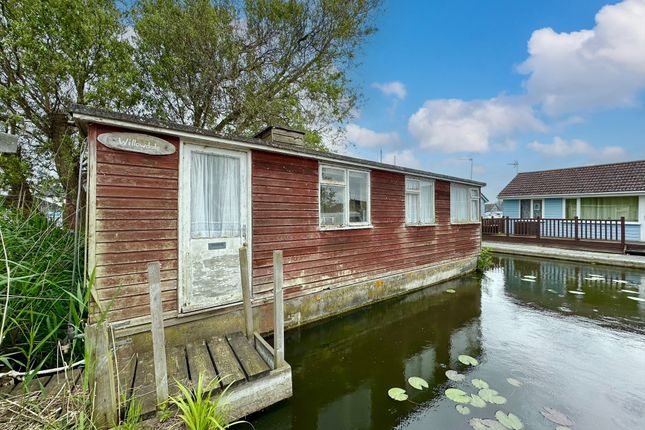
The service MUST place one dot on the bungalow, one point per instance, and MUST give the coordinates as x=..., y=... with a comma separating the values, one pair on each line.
x=352, y=231
x=599, y=192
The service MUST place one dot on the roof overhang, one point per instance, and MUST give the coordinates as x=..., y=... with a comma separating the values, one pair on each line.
x=83, y=116
x=573, y=195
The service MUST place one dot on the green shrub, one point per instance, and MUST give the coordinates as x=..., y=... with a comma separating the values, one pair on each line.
x=485, y=260
x=42, y=306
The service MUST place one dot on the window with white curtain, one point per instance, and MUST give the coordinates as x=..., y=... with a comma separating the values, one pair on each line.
x=215, y=191
x=419, y=201
x=464, y=204
x=344, y=197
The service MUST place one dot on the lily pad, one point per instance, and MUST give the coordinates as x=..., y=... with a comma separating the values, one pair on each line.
x=620, y=281
x=562, y=428
x=453, y=375
x=457, y=395
x=397, y=394
x=510, y=421
x=479, y=383
x=530, y=277
x=491, y=396
x=514, y=382
x=528, y=280
x=552, y=291
x=556, y=417
x=477, y=401
x=464, y=410
x=485, y=424
x=450, y=291
x=418, y=383
x=579, y=293
x=636, y=299
x=468, y=360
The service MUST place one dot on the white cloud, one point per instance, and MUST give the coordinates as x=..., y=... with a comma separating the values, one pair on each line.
x=405, y=158
x=394, y=88
x=589, y=69
x=508, y=145
x=562, y=148
x=454, y=125
x=366, y=138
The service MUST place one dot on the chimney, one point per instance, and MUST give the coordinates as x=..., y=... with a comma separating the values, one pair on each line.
x=282, y=135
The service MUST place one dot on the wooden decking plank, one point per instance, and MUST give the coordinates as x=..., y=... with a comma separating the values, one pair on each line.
x=177, y=368
x=199, y=362
x=127, y=367
x=228, y=368
x=36, y=384
x=144, y=389
x=62, y=380
x=253, y=365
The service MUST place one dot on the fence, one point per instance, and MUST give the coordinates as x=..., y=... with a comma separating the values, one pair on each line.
x=594, y=233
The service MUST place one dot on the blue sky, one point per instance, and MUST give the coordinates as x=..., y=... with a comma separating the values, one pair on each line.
x=547, y=83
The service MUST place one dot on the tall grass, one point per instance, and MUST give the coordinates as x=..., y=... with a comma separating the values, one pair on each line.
x=44, y=311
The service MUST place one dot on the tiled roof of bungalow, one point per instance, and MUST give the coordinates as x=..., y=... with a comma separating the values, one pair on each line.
x=612, y=178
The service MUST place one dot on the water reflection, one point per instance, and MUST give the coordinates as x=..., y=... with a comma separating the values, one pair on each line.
x=606, y=290
x=343, y=367
x=581, y=354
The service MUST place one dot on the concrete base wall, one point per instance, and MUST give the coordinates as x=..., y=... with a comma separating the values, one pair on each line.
x=299, y=310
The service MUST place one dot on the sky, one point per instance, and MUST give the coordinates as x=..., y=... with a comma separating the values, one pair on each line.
x=549, y=84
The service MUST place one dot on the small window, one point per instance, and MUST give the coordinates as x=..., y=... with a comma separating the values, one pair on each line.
x=419, y=201
x=464, y=204
x=344, y=197
x=570, y=208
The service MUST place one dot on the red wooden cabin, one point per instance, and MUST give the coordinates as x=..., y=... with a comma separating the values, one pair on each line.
x=352, y=231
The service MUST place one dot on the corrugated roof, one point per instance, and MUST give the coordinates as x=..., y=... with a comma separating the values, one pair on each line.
x=102, y=115
x=599, y=179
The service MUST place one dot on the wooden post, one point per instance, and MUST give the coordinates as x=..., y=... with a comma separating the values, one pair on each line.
x=246, y=291
x=622, y=233
x=507, y=225
x=576, y=227
x=537, y=233
x=158, y=339
x=278, y=311
x=101, y=375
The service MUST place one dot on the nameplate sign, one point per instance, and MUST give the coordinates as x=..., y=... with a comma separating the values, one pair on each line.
x=137, y=142
x=8, y=143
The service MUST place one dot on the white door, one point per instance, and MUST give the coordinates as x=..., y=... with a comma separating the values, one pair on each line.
x=214, y=222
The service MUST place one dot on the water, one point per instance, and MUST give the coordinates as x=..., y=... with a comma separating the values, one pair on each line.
x=583, y=355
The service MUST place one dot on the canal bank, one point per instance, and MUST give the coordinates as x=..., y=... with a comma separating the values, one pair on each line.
x=593, y=257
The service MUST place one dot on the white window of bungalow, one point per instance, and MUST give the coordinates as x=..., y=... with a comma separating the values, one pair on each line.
x=464, y=204
x=419, y=201
x=344, y=197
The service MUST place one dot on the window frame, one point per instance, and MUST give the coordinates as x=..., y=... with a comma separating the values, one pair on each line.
x=469, y=200
x=418, y=193
x=579, y=205
x=347, y=224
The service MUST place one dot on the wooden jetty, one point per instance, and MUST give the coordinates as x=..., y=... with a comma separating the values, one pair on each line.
x=253, y=372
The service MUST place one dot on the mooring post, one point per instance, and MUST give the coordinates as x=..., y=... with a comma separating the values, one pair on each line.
x=278, y=311
x=158, y=338
x=101, y=375
x=246, y=291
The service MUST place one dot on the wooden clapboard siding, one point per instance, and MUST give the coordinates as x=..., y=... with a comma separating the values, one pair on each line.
x=135, y=223
x=285, y=216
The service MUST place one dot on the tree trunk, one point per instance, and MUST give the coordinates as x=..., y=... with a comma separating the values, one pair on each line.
x=66, y=159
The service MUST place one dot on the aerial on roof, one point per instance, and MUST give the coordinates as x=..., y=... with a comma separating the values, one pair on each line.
x=84, y=114
x=599, y=179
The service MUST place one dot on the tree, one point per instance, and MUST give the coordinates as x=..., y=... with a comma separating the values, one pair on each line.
x=236, y=66
x=54, y=53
